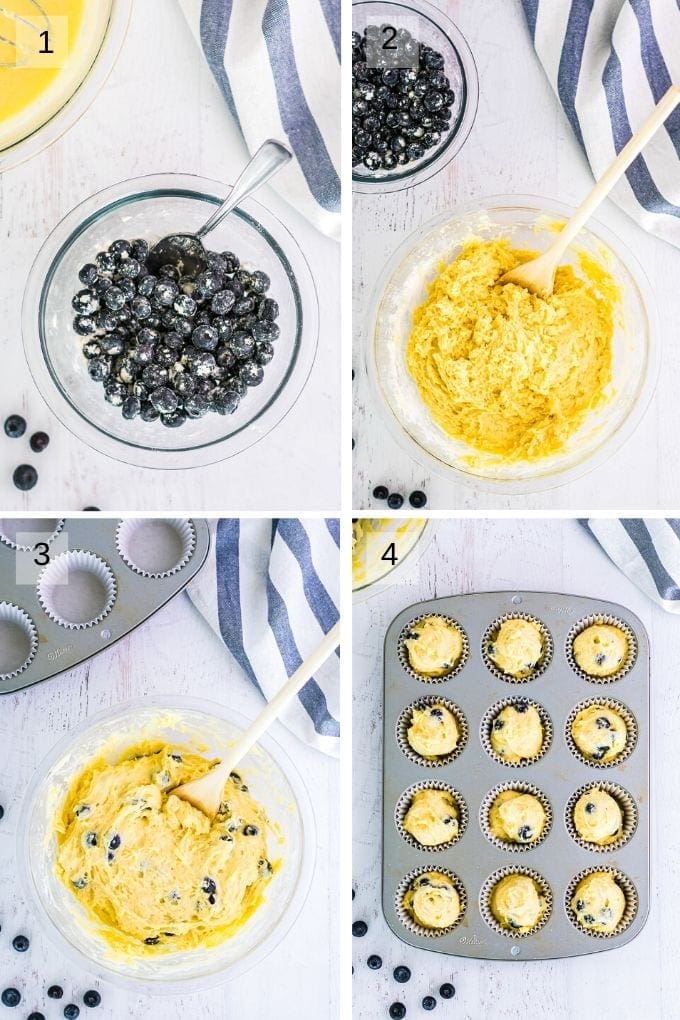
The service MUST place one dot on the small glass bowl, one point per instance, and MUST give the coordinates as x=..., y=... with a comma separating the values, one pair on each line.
x=209, y=728
x=85, y=91
x=529, y=223
x=152, y=207
x=430, y=26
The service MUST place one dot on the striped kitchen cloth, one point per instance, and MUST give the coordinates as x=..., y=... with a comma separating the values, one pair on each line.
x=271, y=589
x=277, y=63
x=647, y=551
x=610, y=62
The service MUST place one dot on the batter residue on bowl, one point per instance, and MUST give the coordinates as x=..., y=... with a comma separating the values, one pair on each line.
x=508, y=373
x=153, y=872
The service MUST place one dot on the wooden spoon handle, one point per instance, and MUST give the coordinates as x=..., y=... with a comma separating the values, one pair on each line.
x=631, y=149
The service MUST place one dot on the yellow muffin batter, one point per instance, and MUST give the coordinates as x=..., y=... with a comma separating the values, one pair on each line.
x=433, y=732
x=517, y=647
x=33, y=89
x=434, y=646
x=432, y=817
x=517, y=903
x=601, y=650
x=155, y=873
x=599, y=733
x=517, y=817
x=432, y=900
x=511, y=374
x=599, y=902
x=598, y=817
x=517, y=732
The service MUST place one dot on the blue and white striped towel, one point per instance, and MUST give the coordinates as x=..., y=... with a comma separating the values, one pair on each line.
x=647, y=551
x=271, y=590
x=277, y=63
x=610, y=62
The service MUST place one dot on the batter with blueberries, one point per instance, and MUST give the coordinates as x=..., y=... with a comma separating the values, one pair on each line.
x=432, y=900
x=599, y=732
x=517, y=648
x=432, y=817
x=434, y=646
x=433, y=732
x=516, y=817
x=517, y=732
x=601, y=649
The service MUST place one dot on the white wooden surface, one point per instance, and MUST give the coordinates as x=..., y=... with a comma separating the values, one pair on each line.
x=186, y=127
x=520, y=143
x=639, y=980
x=174, y=653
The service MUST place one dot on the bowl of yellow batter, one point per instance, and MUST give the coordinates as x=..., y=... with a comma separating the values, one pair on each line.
x=138, y=885
x=497, y=387
x=55, y=56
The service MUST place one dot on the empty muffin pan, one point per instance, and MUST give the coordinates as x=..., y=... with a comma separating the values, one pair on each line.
x=557, y=775
x=100, y=580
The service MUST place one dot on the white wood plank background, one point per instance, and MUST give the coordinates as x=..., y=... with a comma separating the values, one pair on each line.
x=640, y=980
x=520, y=143
x=176, y=652
x=160, y=111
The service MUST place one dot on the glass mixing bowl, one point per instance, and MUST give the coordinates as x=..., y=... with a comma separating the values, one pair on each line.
x=529, y=223
x=153, y=207
x=428, y=25
x=272, y=779
x=86, y=85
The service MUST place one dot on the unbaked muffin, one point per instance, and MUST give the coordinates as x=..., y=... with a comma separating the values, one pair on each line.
x=432, y=817
x=598, y=817
x=517, y=732
x=518, y=903
x=599, y=732
x=517, y=817
x=517, y=648
x=601, y=649
x=432, y=900
x=434, y=646
x=599, y=902
x=433, y=732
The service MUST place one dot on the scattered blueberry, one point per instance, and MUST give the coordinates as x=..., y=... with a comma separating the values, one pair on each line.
x=92, y=998
x=36, y=1016
x=402, y=974
x=397, y=1011
x=429, y=1002
x=447, y=991
x=359, y=929
x=15, y=426
x=10, y=997
x=39, y=441
x=374, y=962
x=381, y=492
x=353, y=892
x=417, y=499
x=20, y=943
x=395, y=501
x=71, y=1012
x=88, y=508
x=2, y=811
x=55, y=992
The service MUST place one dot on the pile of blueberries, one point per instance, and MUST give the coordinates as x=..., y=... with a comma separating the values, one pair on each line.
x=397, y=113
x=168, y=347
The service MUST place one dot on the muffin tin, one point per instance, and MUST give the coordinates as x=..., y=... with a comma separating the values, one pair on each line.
x=559, y=859
x=111, y=576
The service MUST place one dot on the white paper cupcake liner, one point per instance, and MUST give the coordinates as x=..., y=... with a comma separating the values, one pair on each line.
x=543, y=663
x=14, y=621
x=613, y=621
x=131, y=528
x=631, y=727
x=402, y=650
x=29, y=525
x=404, y=803
x=55, y=577
x=404, y=722
x=628, y=889
x=487, y=722
x=485, y=901
x=409, y=921
x=507, y=845
x=625, y=802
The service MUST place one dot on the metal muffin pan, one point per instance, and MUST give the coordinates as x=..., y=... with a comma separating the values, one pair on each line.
x=557, y=858
x=129, y=593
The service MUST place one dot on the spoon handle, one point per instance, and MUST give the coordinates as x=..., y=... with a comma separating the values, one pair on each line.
x=268, y=159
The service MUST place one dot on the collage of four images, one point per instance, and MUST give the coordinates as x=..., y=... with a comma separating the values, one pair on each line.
x=240, y=666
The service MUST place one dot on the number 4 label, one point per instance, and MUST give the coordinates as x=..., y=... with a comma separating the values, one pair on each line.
x=390, y=554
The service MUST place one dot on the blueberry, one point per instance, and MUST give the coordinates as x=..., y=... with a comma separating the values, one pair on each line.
x=223, y=302
x=164, y=400
x=174, y=420
x=141, y=307
x=524, y=833
x=359, y=929
x=88, y=274
x=264, y=352
x=521, y=706
x=112, y=344
x=374, y=962
x=84, y=325
x=20, y=943
x=268, y=309
x=417, y=499
x=99, y=369
x=447, y=991
x=129, y=269
x=91, y=839
x=2, y=812
x=91, y=349
x=436, y=713
x=205, y=338
x=250, y=830
x=148, y=412
x=143, y=353
x=603, y=723
x=196, y=406
x=397, y=1011
x=85, y=302
x=401, y=974
x=153, y=377
x=381, y=492
x=115, y=393
x=225, y=402
x=185, y=305
x=114, y=842
x=395, y=501
x=251, y=373
x=429, y=1002
x=25, y=477
x=55, y=992
x=146, y=287
x=106, y=262
x=165, y=293
x=242, y=344
x=208, y=886
x=36, y=1016
x=589, y=808
x=114, y=299
x=10, y=997
x=121, y=248
x=266, y=330
x=140, y=249
x=202, y=364
x=15, y=426
x=71, y=1012
x=39, y=441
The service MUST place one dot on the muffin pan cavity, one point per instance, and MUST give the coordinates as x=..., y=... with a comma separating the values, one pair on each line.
x=476, y=774
x=99, y=581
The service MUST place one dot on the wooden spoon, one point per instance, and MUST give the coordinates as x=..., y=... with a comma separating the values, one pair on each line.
x=206, y=793
x=538, y=275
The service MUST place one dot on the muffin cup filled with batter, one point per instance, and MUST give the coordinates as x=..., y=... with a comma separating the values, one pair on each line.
x=601, y=817
x=432, y=731
x=517, y=648
x=431, y=816
x=516, y=902
x=601, y=732
x=431, y=901
x=601, y=649
x=515, y=817
x=601, y=902
x=516, y=732
x=433, y=648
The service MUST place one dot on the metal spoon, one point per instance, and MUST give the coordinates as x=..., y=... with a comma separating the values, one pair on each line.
x=186, y=251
